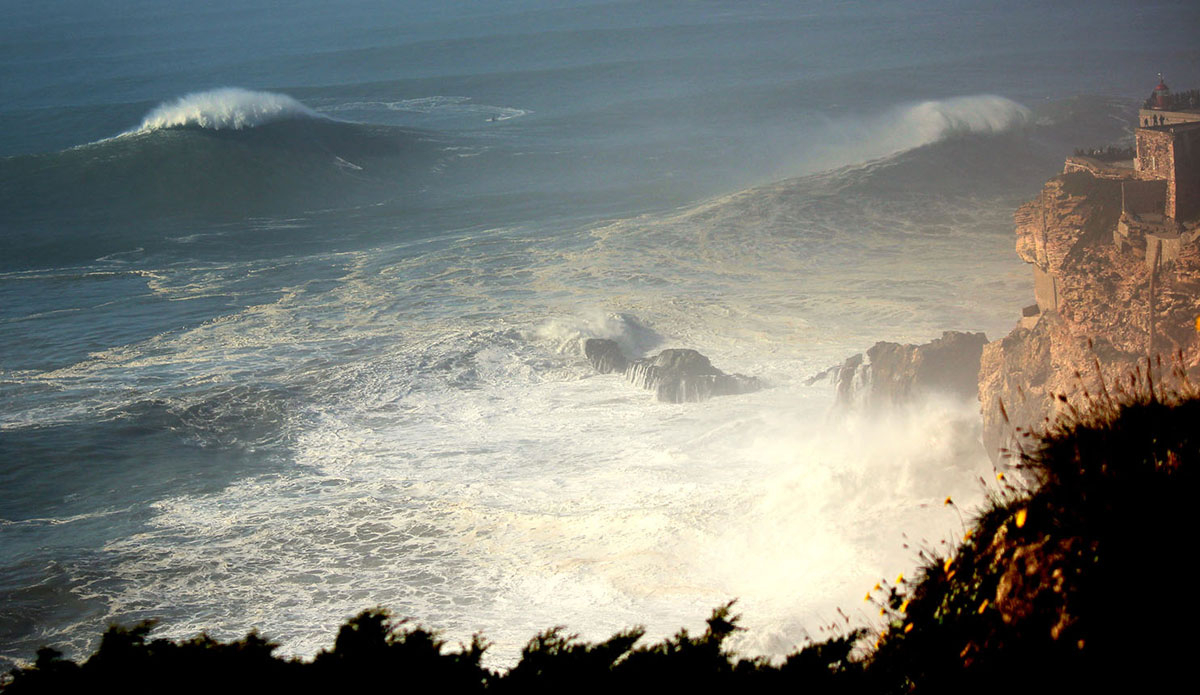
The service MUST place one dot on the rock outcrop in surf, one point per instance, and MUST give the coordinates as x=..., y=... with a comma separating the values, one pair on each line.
x=892, y=374
x=677, y=375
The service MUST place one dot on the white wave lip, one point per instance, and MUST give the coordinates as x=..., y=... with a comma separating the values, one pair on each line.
x=863, y=139
x=931, y=121
x=228, y=108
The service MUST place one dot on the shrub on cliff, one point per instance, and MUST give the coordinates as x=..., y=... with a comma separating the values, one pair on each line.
x=1073, y=577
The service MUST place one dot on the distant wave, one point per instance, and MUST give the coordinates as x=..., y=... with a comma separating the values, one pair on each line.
x=228, y=108
x=915, y=125
x=860, y=139
x=930, y=121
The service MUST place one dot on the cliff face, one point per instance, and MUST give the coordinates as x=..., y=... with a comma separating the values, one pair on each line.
x=1103, y=306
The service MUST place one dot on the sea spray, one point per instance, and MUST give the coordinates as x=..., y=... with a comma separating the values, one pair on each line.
x=864, y=138
x=228, y=108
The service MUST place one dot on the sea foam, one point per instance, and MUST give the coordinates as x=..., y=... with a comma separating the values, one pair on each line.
x=228, y=108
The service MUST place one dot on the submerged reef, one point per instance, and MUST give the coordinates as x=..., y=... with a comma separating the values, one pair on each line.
x=1070, y=579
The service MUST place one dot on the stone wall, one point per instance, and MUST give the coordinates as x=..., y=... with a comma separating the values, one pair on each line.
x=1142, y=197
x=1104, y=170
x=1186, y=191
x=1169, y=117
x=1154, y=153
x=1045, y=290
x=1172, y=154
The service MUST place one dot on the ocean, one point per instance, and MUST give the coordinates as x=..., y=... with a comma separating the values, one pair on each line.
x=292, y=298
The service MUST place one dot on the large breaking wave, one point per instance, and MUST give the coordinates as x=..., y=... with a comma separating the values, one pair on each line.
x=854, y=139
x=213, y=157
x=228, y=108
x=929, y=121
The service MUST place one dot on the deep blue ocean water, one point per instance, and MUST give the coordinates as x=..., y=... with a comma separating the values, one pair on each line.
x=292, y=294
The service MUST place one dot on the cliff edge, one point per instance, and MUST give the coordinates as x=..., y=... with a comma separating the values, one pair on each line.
x=1116, y=287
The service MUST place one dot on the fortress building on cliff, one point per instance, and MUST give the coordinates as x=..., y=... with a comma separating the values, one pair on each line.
x=1115, y=250
x=1159, y=188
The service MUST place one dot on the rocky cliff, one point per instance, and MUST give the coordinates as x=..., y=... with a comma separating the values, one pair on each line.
x=894, y=374
x=1108, y=297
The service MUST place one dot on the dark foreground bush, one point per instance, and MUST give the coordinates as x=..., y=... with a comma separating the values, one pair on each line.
x=1075, y=578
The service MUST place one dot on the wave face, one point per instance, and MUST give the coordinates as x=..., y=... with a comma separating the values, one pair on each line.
x=930, y=121
x=228, y=108
x=216, y=157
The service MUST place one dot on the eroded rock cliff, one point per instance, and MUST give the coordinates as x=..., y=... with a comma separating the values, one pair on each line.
x=894, y=374
x=1105, y=303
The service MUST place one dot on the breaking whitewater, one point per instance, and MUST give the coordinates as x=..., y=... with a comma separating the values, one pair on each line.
x=286, y=420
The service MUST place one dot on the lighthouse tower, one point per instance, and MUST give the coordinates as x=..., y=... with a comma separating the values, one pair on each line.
x=1166, y=109
x=1161, y=97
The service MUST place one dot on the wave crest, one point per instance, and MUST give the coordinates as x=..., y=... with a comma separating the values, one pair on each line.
x=931, y=121
x=853, y=140
x=228, y=108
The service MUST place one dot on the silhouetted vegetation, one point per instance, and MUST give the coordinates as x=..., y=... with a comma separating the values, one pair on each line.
x=1109, y=153
x=1069, y=578
x=1072, y=578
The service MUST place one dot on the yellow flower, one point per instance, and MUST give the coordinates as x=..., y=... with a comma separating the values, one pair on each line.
x=882, y=612
x=1020, y=518
x=983, y=606
x=904, y=606
x=900, y=578
x=948, y=501
x=1000, y=475
x=946, y=565
x=908, y=628
x=876, y=587
x=968, y=534
x=867, y=597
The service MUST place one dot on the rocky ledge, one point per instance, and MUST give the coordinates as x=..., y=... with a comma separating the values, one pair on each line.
x=892, y=374
x=675, y=376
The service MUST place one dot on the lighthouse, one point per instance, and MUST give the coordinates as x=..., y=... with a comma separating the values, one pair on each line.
x=1161, y=97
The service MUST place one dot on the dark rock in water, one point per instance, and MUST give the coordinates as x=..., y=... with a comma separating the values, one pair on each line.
x=895, y=374
x=681, y=376
x=675, y=376
x=605, y=355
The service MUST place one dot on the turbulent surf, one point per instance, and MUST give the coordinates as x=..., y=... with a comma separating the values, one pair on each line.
x=275, y=353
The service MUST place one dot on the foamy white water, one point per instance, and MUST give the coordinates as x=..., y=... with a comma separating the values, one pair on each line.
x=455, y=459
x=268, y=377
x=228, y=108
